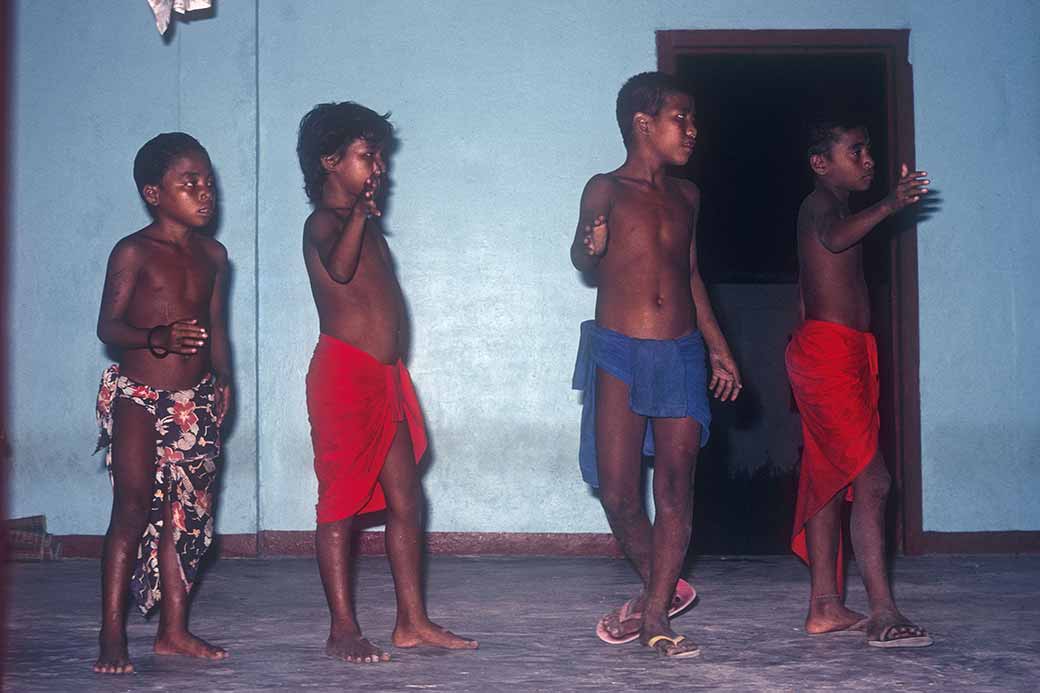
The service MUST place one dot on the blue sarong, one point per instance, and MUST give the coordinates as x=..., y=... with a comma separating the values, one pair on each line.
x=667, y=378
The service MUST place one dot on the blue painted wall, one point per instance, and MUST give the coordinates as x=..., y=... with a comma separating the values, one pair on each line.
x=503, y=111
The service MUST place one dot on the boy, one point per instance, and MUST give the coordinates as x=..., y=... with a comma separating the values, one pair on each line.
x=643, y=358
x=366, y=426
x=832, y=365
x=160, y=408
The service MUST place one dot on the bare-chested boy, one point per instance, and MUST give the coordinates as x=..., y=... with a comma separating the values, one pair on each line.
x=160, y=408
x=832, y=364
x=643, y=358
x=366, y=425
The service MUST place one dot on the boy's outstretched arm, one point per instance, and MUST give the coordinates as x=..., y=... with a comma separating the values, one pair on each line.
x=725, y=377
x=838, y=235
x=220, y=343
x=590, y=239
x=339, y=242
x=180, y=337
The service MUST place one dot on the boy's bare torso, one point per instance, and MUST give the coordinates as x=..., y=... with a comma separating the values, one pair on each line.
x=644, y=277
x=368, y=312
x=833, y=286
x=172, y=283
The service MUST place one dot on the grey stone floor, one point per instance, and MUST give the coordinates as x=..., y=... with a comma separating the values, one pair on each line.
x=534, y=618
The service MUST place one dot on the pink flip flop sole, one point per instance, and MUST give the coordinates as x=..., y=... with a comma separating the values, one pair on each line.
x=684, y=595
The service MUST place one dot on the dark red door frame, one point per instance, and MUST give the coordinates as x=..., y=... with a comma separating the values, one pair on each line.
x=904, y=398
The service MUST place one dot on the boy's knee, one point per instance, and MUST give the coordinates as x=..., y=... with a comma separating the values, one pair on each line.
x=620, y=504
x=130, y=514
x=673, y=500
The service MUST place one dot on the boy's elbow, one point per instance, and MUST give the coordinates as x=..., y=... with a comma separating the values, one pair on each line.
x=341, y=277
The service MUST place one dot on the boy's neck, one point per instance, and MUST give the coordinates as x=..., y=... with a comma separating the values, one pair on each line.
x=841, y=194
x=643, y=165
x=333, y=196
x=169, y=230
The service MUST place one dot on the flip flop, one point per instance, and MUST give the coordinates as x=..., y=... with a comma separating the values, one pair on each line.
x=684, y=595
x=623, y=614
x=917, y=637
x=856, y=628
x=673, y=642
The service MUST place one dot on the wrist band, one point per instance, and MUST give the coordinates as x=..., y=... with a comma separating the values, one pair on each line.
x=157, y=352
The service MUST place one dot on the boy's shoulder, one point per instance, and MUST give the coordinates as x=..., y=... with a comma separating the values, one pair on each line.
x=213, y=248
x=609, y=183
x=131, y=246
x=818, y=201
x=603, y=183
x=687, y=188
x=321, y=220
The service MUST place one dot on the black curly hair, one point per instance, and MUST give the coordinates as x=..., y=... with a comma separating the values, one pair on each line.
x=644, y=93
x=329, y=128
x=156, y=155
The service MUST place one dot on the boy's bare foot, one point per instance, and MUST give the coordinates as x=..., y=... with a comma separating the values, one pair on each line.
x=891, y=629
x=354, y=649
x=830, y=615
x=187, y=645
x=430, y=634
x=114, y=657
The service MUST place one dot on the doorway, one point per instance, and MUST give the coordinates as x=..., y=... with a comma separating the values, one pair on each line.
x=755, y=92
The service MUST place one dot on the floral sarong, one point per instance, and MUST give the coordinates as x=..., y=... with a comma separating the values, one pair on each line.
x=187, y=444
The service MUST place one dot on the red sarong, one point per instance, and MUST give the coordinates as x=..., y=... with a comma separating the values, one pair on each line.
x=354, y=403
x=834, y=375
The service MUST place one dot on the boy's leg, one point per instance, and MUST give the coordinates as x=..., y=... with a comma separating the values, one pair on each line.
x=619, y=452
x=332, y=541
x=173, y=637
x=827, y=611
x=676, y=442
x=870, y=494
x=404, y=545
x=133, y=468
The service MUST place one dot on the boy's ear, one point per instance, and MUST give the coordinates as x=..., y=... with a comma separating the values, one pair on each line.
x=641, y=123
x=150, y=193
x=329, y=161
x=818, y=164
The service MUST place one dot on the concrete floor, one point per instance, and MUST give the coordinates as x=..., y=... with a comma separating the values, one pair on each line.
x=534, y=618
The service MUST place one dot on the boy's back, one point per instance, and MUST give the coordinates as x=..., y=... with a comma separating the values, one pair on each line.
x=832, y=284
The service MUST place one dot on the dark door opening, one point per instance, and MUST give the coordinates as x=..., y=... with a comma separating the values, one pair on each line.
x=755, y=93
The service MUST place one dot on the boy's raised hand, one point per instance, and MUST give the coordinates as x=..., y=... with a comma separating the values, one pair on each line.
x=909, y=189
x=184, y=337
x=595, y=236
x=367, y=201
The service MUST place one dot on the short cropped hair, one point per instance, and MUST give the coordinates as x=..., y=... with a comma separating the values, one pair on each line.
x=824, y=133
x=644, y=93
x=155, y=157
x=329, y=128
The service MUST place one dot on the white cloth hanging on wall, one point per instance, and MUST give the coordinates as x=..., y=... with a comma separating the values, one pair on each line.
x=163, y=9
